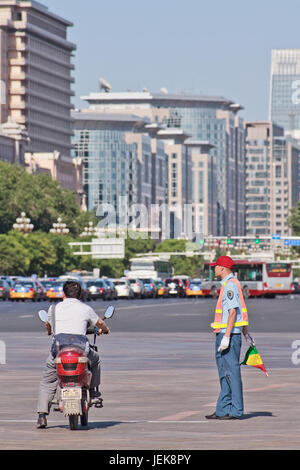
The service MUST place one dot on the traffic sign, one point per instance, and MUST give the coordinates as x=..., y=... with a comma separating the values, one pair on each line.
x=288, y=242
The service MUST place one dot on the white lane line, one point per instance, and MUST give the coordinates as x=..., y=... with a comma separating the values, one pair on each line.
x=142, y=421
x=25, y=316
x=141, y=307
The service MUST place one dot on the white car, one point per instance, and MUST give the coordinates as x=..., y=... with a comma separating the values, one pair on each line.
x=138, y=287
x=123, y=288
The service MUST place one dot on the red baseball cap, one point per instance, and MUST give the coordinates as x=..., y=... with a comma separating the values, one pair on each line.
x=224, y=261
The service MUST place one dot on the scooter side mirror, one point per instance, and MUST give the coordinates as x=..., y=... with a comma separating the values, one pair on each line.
x=109, y=312
x=43, y=315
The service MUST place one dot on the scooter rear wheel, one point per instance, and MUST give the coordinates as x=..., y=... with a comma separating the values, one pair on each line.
x=73, y=422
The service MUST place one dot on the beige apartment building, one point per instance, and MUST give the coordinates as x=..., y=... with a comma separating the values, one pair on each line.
x=272, y=179
x=35, y=74
x=66, y=170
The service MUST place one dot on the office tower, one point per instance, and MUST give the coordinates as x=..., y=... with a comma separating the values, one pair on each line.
x=211, y=119
x=35, y=74
x=284, y=107
x=110, y=161
x=204, y=205
x=272, y=179
x=179, y=181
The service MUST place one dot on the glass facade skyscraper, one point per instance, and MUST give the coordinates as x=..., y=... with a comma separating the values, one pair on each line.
x=109, y=162
x=211, y=119
x=285, y=89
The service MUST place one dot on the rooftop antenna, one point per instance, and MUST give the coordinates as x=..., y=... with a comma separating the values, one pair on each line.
x=104, y=85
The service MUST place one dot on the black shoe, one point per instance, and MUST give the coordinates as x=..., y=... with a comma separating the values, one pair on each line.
x=95, y=398
x=42, y=421
x=94, y=393
x=215, y=416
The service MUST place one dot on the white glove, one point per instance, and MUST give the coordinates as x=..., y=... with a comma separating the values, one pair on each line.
x=249, y=340
x=224, y=343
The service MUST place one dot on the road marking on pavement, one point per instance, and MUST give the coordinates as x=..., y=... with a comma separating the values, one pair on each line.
x=267, y=387
x=141, y=307
x=180, y=415
x=137, y=421
x=26, y=316
x=257, y=389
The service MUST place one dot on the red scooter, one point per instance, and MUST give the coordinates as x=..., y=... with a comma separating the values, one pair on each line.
x=74, y=378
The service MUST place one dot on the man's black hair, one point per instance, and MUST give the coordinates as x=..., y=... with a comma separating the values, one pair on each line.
x=72, y=289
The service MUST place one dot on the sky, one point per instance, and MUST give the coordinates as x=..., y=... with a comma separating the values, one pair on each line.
x=211, y=47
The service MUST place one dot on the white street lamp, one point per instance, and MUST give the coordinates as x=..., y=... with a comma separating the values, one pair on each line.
x=23, y=224
x=59, y=227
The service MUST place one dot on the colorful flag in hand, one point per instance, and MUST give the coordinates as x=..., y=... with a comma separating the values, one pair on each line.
x=252, y=358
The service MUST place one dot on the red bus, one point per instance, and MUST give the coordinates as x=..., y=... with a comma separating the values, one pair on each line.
x=258, y=278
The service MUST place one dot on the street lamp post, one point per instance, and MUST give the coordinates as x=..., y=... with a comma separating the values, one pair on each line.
x=90, y=230
x=23, y=224
x=59, y=227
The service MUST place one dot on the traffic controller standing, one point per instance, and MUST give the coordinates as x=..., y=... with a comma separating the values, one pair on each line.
x=231, y=320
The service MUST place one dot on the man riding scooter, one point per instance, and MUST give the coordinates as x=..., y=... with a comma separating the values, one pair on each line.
x=71, y=316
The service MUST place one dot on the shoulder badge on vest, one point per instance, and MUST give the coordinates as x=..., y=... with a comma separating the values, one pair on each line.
x=230, y=294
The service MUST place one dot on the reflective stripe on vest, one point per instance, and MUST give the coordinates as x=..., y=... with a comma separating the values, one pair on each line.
x=217, y=324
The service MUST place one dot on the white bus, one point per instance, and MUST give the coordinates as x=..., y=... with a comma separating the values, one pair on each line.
x=149, y=268
x=257, y=278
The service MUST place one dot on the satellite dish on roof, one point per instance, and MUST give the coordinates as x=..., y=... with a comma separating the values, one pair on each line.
x=104, y=85
x=164, y=91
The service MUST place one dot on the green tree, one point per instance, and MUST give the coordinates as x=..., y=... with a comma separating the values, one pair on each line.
x=41, y=251
x=171, y=245
x=294, y=219
x=188, y=266
x=41, y=197
x=14, y=257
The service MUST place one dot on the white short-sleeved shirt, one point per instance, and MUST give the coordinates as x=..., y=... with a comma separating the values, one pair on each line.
x=72, y=316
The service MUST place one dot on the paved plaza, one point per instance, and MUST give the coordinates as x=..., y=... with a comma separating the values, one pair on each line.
x=157, y=389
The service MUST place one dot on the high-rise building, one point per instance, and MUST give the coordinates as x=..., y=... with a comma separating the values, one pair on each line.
x=272, y=179
x=284, y=107
x=35, y=74
x=204, y=204
x=110, y=158
x=211, y=119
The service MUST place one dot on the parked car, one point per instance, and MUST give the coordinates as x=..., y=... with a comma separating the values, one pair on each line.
x=138, y=288
x=123, y=288
x=162, y=288
x=150, y=287
x=4, y=290
x=175, y=287
x=194, y=289
x=26, y=289
x=96, y=289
